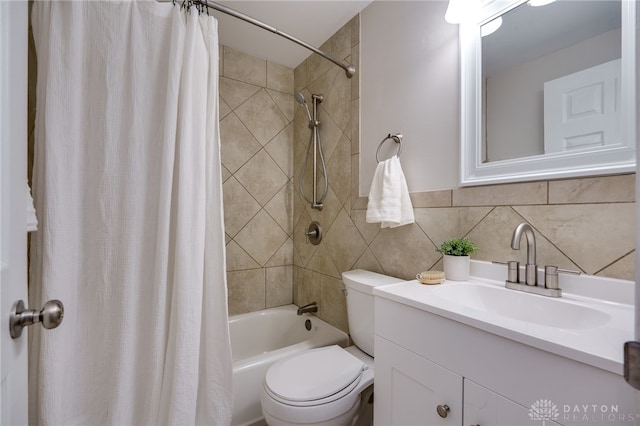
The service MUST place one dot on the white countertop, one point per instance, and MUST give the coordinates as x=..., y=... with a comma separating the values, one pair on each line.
x=590, y=322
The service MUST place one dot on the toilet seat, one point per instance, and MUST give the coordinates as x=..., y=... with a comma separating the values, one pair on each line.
x=328, y=409
x=316, y=377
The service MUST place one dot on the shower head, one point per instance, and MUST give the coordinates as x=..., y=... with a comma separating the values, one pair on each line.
x=300, y=99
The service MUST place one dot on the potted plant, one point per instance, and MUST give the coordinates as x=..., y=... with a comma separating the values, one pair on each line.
x=456, y=258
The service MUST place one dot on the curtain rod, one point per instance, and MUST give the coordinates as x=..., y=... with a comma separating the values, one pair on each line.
x=349, y=69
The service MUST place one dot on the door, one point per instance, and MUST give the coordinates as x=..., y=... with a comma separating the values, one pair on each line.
x=13, y=219
x=412, y=391
x=582, y=110
x=484, y=407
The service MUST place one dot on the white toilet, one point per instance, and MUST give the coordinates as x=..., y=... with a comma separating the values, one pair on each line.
x=322, y=386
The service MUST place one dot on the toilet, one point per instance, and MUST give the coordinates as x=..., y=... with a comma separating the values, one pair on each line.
x=323, y=386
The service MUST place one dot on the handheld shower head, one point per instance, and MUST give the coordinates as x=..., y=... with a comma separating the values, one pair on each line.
x=300, y=98
x=302, y=101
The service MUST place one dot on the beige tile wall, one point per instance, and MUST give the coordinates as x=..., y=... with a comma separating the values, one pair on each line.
x=584, y=224
x=256, y=133
x=317, y=268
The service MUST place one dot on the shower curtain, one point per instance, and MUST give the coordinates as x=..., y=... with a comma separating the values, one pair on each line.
x=127, y=185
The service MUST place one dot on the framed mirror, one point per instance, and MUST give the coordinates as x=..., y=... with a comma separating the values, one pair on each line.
x=548, y=91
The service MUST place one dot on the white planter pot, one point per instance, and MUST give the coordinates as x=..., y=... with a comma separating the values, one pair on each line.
x=456, y=268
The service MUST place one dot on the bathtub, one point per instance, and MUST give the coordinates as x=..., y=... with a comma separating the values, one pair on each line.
x=258, y=339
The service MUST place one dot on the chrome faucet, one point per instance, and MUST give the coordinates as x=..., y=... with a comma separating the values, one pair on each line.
x=311, y=307
x=531, y=268
x=530, y=284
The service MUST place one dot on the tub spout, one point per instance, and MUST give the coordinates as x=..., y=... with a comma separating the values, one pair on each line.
x=311, y=307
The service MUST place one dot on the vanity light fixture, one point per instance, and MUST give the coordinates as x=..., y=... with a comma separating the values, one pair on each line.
x=491, y=27
x=462, y=11
x=536, y=3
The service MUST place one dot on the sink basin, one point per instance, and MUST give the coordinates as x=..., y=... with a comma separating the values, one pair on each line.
x=540, y=310
x=590, y=322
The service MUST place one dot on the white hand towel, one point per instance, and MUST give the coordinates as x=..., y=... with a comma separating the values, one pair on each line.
x=389, y=201
x=32, y=220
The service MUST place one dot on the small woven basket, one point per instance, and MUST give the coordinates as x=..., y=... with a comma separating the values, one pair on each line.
x=430, y=277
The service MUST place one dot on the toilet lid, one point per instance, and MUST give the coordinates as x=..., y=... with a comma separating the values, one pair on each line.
x=313, y=375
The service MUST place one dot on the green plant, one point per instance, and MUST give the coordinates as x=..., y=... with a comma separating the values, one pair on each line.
x=458, y=247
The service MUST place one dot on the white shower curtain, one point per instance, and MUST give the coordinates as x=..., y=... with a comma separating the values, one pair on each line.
x=127, y=185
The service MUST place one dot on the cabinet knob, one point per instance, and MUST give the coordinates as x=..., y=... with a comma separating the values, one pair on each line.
x=443, y=410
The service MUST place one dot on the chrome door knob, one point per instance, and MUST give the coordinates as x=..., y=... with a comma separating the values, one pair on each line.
x=443, y=410
x=50, y=316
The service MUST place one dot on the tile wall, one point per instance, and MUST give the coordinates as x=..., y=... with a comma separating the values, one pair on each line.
x=583, y=224
x=256, y=133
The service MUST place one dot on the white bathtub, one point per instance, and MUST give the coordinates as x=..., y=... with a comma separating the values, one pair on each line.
x=258, y=339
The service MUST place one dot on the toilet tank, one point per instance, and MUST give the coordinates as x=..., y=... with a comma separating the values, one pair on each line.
x=360, y=304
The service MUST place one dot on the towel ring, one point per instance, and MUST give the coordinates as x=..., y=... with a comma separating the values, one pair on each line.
x=397, y=138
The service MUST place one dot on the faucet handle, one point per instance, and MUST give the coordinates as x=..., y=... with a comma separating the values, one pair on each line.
x=551, y=275
x=569, y=271
x=513, y=269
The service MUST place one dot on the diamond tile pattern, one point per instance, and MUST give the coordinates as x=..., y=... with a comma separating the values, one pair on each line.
x=234, y=93
x=280, y=207
x=607, y=226
x=586, y=224
x=256, y=143
x=564, y=214
x=237, y=144
x=261, y=238
x=239, y=206
x=262, y=116
x=281, y=150
x=262, y=177
x=344, y=242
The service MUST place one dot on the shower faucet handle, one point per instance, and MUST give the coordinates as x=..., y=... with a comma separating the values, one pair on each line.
x=314, y=233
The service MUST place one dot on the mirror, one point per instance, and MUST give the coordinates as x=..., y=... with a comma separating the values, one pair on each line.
x=548, y=91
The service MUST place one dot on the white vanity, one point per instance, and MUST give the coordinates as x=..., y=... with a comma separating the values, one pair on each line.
x=476, y=353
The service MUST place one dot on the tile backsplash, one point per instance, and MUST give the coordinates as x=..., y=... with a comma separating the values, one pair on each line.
x=584, y=224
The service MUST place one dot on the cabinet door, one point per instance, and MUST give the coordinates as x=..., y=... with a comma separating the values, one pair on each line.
x=483, y=407
x=408, y=389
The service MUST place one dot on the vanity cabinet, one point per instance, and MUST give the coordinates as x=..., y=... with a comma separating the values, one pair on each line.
x=411, y=390
x=424, y=360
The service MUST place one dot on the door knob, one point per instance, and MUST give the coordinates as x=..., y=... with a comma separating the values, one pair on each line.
x=50, y=316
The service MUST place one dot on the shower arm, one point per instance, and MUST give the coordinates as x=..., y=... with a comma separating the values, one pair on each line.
x=349, y=69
